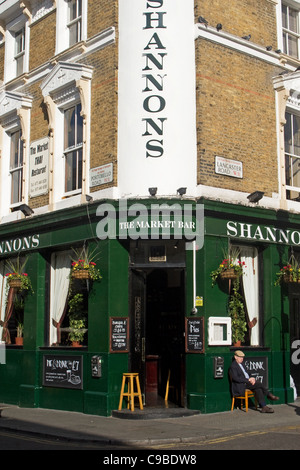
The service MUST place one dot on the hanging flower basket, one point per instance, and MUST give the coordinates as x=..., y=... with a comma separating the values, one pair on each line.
x=15, y=283
x=229, y=274
x=290, y=273
x=83, y=267
x=231, y=268
x=80, y=274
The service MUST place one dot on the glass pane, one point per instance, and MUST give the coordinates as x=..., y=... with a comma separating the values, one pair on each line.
x=70, y=128
x=79, y=177
x=79, y=125
x=288, y=134
x=72, y=9
x=73, y=33
x=296, y=172
x=16, y=150
x=288, y=171
x=20, y=41
x=19, y=65
x=16, y=186
x=296, y=134
x=70, y=165
x=284, y=16
x=293, y=20
x=293, y=46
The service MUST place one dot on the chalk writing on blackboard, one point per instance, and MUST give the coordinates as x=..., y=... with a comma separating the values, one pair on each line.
x=119, y=334
x=62, y=371
x=194, y=335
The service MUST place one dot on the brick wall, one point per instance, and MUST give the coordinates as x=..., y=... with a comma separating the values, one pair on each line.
x=242, y=17
x=236, y=116
x=42, y=40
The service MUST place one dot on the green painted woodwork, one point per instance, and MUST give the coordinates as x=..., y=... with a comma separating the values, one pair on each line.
x=21, y=376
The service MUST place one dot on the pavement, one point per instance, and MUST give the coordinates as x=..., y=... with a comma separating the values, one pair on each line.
x=146, y=427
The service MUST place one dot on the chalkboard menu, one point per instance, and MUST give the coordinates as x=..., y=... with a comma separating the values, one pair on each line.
x=119, y=334
x=257, y=367
x=62, y=371
x=194, y=335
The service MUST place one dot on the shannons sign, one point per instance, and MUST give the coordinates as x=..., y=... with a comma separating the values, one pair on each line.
x=263, y=233
x=16, y=245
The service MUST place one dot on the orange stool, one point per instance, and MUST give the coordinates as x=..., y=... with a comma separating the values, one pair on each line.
x=130, y=394
x=248, y=394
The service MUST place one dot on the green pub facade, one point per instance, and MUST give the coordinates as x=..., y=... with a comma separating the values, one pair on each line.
x=154, y=310
x=134, y=139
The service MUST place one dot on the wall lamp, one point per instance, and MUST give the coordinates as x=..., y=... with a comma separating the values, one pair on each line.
x=152, y=191
x=255, y=196
x=25, y=209
x=181, y=191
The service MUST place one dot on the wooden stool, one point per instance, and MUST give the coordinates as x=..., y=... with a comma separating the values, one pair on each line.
x=248, y=394
x=130, y=394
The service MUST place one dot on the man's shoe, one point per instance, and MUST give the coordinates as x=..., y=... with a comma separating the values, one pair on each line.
x=266, y=409
x=272, y=397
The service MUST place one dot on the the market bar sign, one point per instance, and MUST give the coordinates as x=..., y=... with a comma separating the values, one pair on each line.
x=194, y=335
x=62, y=371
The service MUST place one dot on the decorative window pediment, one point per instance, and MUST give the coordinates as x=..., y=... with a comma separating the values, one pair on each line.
x=63, y=77
x=11, y=102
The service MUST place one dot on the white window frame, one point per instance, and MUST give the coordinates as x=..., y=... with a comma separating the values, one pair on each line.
x=11, y=55
x=215, y=324
x=291, y=187
x=63, y=25
x=67, y=85
x=77, y=147
x=18, y=169
x=15, y=109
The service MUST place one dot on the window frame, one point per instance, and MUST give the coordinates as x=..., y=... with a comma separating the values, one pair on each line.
x=19, y=56
x=76, y=148
x=65, y=23
x=287, y=32
x=291, y=156
x=75, y=21
x=16, y=169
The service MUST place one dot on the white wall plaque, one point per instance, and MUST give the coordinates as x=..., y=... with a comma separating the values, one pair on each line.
x=38, y=167
x=225, y=166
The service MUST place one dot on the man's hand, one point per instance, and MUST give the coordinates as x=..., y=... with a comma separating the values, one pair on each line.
x=252, y=380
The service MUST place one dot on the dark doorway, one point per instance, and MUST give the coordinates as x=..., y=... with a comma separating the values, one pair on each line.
x=295, y=338
x=157, y=333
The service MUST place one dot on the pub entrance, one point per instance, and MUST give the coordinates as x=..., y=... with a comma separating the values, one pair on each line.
x=295, y=337
x=157, y=328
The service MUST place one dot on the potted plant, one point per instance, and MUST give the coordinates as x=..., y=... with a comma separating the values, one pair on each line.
x=83, y=266
x=17, y=278
x=77, y=330
x=237, y=313
x=77, y=319
x=289, y=273
x=19, y=337
x=230, y=267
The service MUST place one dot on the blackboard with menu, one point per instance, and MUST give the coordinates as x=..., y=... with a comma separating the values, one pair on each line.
x=119, y=334
x=257, y=367
x=62, y=371
x=194, y=335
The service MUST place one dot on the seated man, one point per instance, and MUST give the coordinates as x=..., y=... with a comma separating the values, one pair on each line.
x=241, y=380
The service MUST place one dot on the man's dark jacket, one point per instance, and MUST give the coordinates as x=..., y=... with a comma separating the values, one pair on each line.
x=238, y=380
